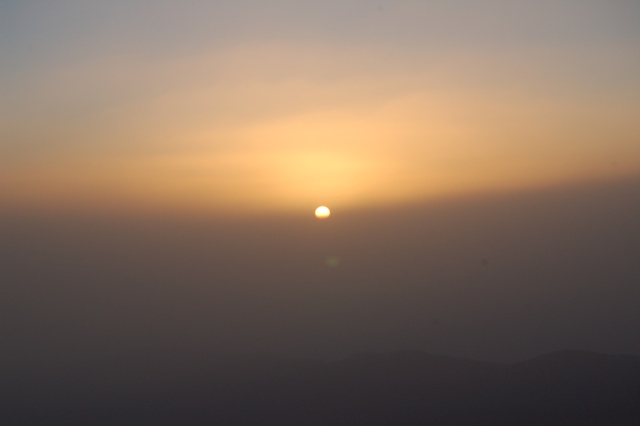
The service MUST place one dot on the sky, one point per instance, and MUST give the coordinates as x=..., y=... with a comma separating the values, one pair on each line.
x=235, y=107
x=160, y=163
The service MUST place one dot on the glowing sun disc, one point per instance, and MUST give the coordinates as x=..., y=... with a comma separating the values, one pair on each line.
x=323, y=212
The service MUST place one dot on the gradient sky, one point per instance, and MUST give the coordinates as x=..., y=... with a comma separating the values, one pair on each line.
x=160, y=163
x=233, y=106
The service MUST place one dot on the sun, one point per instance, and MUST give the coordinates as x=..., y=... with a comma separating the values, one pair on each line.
x=323, y=212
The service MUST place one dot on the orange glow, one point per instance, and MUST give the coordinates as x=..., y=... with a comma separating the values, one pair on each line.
x=280, y=134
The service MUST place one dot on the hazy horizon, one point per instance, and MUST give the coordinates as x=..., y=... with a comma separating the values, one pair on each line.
x=160, y=163
x=500, y=278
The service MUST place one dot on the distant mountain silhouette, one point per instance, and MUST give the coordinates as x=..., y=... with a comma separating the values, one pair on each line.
x=403, y=388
